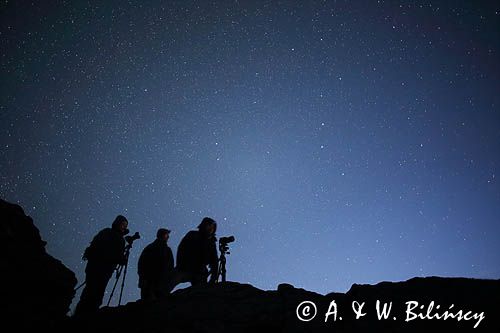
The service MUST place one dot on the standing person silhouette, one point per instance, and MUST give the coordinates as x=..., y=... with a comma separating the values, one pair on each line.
x=155, y=267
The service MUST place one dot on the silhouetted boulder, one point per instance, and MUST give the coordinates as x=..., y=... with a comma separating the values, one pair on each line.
x=234, y=307
x=36, y=290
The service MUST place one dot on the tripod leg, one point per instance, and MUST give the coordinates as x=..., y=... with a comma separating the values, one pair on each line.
x=81, y=285
x=224, y=271
x=123, y=283
x=218, y=272
x=118, y=272
x=222, y=268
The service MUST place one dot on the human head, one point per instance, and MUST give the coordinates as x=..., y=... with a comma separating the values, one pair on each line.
x=208, y=226
x=163, y=234
x=120, y=224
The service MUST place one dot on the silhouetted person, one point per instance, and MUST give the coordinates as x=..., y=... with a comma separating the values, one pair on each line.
x=197, y=250
x=105, y=252
x=155, y=267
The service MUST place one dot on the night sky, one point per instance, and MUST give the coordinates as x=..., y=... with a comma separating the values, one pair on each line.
x=340, y=142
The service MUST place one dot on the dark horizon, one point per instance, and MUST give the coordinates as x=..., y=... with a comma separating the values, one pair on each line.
x=338, y=142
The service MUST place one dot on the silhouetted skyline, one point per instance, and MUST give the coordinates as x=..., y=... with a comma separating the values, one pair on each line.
x=339, y=142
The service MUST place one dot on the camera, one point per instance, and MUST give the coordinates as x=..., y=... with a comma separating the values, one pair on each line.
x=226, y=240
x=223, y=241
x=131, y=239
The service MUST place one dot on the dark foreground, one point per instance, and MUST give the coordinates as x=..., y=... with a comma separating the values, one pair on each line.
x=36, y=291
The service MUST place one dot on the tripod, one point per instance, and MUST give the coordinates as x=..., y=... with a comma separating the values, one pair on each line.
x=221, y=271
x=119, y=270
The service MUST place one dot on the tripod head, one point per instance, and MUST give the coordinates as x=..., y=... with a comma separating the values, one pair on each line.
x=131, y=239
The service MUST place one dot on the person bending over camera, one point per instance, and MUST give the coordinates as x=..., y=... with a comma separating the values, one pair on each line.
x=197, y=250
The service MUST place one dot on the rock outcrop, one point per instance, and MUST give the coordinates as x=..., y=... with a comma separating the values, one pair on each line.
x=417, y=304
x=36, y=289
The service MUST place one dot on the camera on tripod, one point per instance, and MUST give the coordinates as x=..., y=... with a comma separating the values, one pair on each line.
x=223, y=248
x=223, y=241
x=131, y=239
x=123, y=266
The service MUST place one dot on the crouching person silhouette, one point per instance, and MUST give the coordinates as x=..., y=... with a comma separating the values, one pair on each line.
x=197, y=250
x=155, y=267
x=105, y=252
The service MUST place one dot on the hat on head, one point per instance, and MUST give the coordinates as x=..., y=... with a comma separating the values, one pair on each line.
x=161, y=232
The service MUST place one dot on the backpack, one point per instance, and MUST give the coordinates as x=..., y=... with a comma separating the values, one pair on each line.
x=97, y=246
x=89, y=253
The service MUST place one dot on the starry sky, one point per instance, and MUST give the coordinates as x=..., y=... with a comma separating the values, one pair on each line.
x=340, y=142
